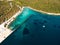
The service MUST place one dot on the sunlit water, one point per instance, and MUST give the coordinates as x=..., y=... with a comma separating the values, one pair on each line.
x=34, y=28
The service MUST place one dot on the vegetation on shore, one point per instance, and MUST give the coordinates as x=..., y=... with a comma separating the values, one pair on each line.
x=6, y=11
x=52, y=6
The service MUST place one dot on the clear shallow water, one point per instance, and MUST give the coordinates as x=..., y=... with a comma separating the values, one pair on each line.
x=34, y=28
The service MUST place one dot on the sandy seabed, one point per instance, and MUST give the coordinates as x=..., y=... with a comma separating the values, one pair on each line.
x=5, y=32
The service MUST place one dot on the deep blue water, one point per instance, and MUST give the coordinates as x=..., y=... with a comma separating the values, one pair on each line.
x=34, y=28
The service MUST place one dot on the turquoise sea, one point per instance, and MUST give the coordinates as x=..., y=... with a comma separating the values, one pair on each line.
x=34, y=28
